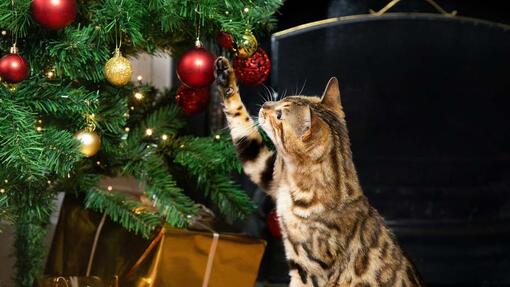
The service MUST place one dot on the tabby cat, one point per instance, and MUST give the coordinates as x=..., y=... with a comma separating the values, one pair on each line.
x=332, y=236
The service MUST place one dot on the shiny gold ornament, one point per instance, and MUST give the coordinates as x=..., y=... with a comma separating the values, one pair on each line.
x=90, y=142
x=248, y=45
x=118, y=70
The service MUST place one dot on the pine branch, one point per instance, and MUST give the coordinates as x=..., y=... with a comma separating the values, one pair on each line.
x=210, y=163
x=165, y=120
x=61, y=151
x=168, y=197
x=114, y=16
x=16, y=17
x=17, y=132
x=229, y=198
x=5, y=212
x=127, y=212
x=77, y=54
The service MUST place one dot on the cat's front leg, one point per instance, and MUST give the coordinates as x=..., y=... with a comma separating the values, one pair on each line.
x=258, y=161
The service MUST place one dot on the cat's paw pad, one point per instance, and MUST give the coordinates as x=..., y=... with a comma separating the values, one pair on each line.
x=223, y=71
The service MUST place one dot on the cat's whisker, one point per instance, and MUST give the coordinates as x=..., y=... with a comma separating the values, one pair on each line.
x=302, y=88
x=296, y=89
x=269, y=93
x=275, y=94
x=263, y=97
x=284, y=94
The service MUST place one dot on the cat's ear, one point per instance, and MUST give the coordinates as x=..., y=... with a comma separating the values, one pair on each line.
x=310, y=125
x=331, y=97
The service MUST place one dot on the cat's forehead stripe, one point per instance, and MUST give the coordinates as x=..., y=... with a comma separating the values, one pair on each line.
x=301, y=100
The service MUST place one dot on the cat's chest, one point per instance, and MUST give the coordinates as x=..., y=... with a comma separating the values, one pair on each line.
x=283, y=199
x=292, y=224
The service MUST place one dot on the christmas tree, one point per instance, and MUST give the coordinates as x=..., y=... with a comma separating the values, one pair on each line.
x=67, y=118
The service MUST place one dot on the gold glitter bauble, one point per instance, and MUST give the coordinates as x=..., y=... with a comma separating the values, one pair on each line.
x=248, y=45
x=90, y=142
x=118, y=70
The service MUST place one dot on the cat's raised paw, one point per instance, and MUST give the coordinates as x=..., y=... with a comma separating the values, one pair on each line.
x=223, y=72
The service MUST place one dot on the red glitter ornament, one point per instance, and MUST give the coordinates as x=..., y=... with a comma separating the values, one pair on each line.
x=13, y=67
x=225, y=40
x=54, y=14
x=253, y=70
x=192, y=100
x=273, y=224
x=196, y=68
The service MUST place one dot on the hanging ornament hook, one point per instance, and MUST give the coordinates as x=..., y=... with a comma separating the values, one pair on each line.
x=197, y=20
x=14, y=49
x=392, y=3
x=14, y=35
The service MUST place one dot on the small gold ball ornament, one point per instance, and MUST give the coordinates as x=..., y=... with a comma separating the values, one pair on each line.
x=90, y=142
x=248, y=45
x=118, y=69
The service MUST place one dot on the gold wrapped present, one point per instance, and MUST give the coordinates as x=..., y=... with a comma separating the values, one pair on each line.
x=198, y=258
x=174, y=257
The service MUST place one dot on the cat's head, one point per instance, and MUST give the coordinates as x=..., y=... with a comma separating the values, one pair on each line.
x=304, y=126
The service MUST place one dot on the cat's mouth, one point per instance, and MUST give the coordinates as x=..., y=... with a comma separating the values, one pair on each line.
x=265, y=124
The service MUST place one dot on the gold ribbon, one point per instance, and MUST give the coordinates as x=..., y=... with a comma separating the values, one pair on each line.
x=94, y=244
x=146, y=253
x=210, y=259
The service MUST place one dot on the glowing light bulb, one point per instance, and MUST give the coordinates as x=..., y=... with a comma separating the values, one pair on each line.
x=138, y=96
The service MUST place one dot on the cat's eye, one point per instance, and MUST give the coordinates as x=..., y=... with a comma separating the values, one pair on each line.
x=279, y=114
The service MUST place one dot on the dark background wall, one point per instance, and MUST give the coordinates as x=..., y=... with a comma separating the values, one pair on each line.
x=458, y=249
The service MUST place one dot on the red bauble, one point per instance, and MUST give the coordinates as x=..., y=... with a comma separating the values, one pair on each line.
x=54, y=14
x=13, y=68
x=191, y=100
x=253, y=70
x=225, y=40
x=273, y=224
x=196, y=68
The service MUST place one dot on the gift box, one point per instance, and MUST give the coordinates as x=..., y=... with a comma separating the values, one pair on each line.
x=173, y=257
x=201, y=258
